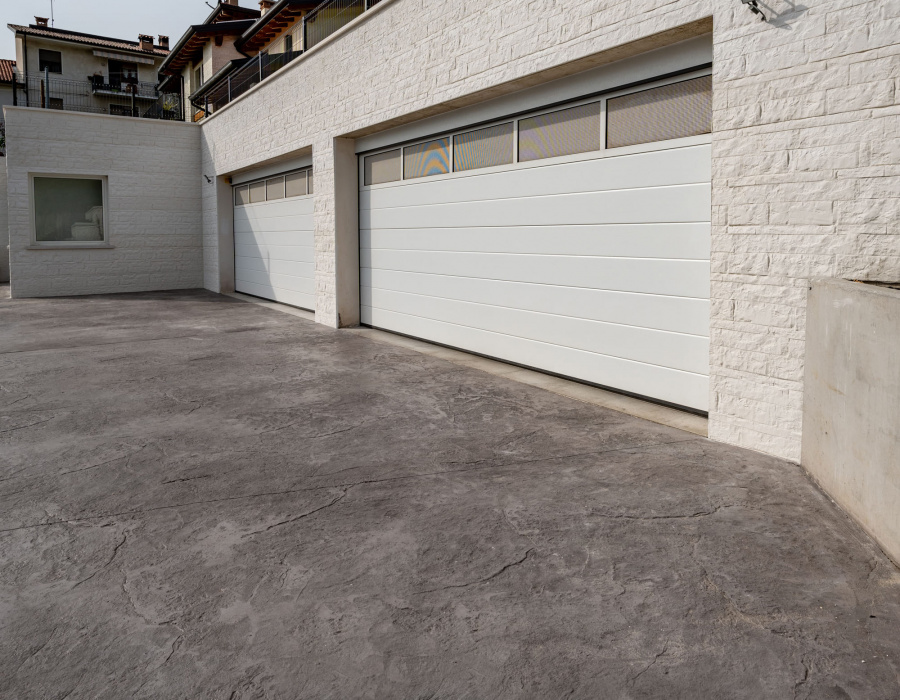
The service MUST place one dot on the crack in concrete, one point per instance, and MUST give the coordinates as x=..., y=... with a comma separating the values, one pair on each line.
x=506, y=567
x=35, y=652
x=698, y=514
x=22, y=427
x=333, y=502
x=515, y=463
x=656, y=658
x=106, y=565
x=70, y=348
x=187, y=478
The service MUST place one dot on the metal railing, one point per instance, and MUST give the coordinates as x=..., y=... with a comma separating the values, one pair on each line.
x=128, y=99
x=317, y=25
x=119, y=86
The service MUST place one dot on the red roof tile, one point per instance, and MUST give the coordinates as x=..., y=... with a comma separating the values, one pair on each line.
x=89, y=39
x=6, y=70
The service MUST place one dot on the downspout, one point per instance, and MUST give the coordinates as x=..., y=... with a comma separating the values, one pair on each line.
x=25, y=54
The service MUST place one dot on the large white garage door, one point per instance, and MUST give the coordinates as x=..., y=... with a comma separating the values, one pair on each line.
x=575, y=241
x=273, y=239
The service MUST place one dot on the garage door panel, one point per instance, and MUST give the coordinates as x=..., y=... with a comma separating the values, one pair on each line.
x=679, y=203
x=666, y=349
x=277, y=224
x=674, y=386
x=280, y=280
x=686, y=278
x=683, y=241
x=665, y=313
x=274, y=250
x=292, y=253
x=285, y=296
x=657, y=168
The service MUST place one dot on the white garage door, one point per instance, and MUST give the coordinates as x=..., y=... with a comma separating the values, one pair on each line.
x=575, y=241
x=273, y=239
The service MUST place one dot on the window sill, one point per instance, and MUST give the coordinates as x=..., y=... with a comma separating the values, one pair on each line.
x=69, y=246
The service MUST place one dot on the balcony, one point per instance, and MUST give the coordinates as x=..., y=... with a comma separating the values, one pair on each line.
x=98, y=95
x=315, y=27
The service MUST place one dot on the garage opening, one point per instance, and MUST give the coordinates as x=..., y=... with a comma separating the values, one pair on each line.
x=274, y=253
x=573, y=239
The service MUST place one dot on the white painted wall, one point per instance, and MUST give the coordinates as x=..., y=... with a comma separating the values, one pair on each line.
x=805, y=155
x=153, y=202
x=4, y=225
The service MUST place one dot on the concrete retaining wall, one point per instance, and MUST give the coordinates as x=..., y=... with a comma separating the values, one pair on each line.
x=4, y=225
x=851, y=409
x=153, y=207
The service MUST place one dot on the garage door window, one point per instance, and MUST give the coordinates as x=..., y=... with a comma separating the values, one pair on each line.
x=424, y=159
x=668, y=112
x=295, y=184
x=483, y=148
x=562, y=133
x=275, y=188
x=68, y=210
x=382, y=167
x=241, y=195
x=257, y=192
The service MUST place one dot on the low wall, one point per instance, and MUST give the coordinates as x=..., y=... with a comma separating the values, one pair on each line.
x=153, y=202
x=851, y=414
x=4, y=225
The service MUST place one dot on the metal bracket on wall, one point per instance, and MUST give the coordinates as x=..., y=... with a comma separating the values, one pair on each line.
x=753, y=5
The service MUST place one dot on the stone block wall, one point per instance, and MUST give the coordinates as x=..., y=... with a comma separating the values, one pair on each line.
x=4, y=225
x=806, y=183
x=153, y=206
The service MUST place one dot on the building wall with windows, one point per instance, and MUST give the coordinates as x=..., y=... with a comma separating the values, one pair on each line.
x=805, y=164
x=78, y=62
x=147, y=236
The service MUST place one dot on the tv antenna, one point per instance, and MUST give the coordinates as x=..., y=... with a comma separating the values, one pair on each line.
x=52, y=20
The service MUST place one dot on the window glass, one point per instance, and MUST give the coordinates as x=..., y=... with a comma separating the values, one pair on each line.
x=57, y=103
x=288, y=43
x=382, y=167
x=667, y=112
x=483, y=148
x=258, y=192
x=275, y=188
x=309, y=181
x=295, y=184
x=68, y=209
x=562, y=133
x=241, y=195
x=424, y=159
x=50, y=60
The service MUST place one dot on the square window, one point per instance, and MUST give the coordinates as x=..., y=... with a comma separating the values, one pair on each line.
x=275, y=188
x=258, y=192
x=382, y=167
x=68, y=210
x=560, y=133
x=483, y=148
x=241, y=195
x=295, y=184
x=424, y=159
x=50, y=61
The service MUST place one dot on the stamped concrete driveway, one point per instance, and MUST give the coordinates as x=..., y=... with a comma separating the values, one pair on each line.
x=204, y=498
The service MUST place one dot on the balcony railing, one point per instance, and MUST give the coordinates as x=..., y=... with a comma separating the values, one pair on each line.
x=98, y=96
x=317, y=25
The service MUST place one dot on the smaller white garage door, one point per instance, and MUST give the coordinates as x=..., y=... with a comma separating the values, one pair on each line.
x=274, y=255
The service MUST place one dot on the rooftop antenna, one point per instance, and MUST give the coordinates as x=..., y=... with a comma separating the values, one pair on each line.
x=52, y=20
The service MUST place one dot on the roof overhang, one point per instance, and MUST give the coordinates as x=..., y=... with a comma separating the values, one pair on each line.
x=88, y=41
x=281, y=15
x=195, y=39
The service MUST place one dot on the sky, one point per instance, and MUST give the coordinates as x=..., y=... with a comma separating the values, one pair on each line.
x=122, y=19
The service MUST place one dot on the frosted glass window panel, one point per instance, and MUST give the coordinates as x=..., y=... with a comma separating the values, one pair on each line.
x=562, y=133
x=257, y=192
x=483, y=148
x=68, y=209
x=381, y=168
x=295, y=184
x=429, y=158
x=309, y=181
x=658, y=114
x=241, y=195
x=275, y=188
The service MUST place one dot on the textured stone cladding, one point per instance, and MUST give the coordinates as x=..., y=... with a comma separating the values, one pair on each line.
x=4, y=225
x=153, y=203
x=806, y=159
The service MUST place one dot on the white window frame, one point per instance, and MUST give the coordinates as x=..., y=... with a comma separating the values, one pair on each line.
x=541, y=162
x=247, y=184
x=35, y=243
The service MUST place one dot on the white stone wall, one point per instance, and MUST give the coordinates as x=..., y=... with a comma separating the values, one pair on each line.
x=153, y=207
x=806, y=183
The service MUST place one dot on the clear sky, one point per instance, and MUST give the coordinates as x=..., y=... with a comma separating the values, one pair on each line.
x=122, y=19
